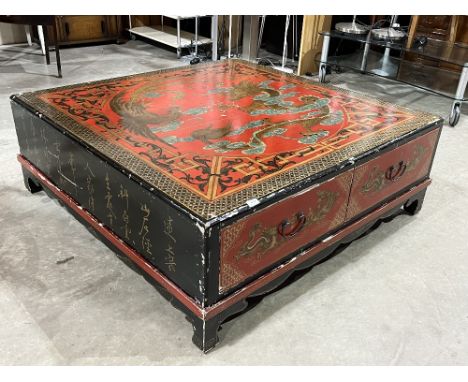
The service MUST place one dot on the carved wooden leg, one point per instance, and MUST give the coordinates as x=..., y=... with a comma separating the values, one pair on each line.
x=414, y=205
x=205, y=333
x=31, y=184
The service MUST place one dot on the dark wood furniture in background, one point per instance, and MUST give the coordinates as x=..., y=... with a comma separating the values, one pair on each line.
x=436, y=27
x=87, y=29
x=447, y=29
x=50, y=29
x=70, y=30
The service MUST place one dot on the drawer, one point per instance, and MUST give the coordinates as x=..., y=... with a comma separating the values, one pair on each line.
x=257, y=241
x=391, y=172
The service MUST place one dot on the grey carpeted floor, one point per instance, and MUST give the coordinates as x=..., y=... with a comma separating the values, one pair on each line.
x=396, y=297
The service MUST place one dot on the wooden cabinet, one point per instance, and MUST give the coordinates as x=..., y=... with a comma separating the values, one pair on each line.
x=87, y=29
x=438, y=29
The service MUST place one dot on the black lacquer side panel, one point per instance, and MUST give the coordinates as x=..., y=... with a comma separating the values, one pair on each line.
x=159, y=232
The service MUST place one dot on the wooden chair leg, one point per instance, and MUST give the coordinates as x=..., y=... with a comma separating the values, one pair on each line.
x=27, y=29
x=40, y=33
x=46, y=43
x=57, y=53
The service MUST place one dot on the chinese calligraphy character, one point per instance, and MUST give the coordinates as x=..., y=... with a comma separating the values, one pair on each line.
x=123, y=194
x=108, y=197
x=89, y=186
x=170, y=259
x=145, y=241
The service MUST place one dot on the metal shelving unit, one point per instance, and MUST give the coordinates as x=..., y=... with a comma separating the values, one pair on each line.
x=177, y=38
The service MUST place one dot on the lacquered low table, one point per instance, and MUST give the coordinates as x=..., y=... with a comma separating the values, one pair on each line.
x=219, y=181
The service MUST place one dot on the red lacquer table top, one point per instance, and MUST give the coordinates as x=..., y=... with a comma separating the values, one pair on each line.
x=214, y=136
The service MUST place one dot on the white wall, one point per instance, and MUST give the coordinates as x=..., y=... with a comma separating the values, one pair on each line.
x=12, y=34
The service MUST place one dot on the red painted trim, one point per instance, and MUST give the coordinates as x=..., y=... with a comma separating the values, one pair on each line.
x=115, y=240
x=282, y=269
x=181, y=296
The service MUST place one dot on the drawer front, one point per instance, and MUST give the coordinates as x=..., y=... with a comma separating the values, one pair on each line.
x=257, y=241
x=391, y=172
